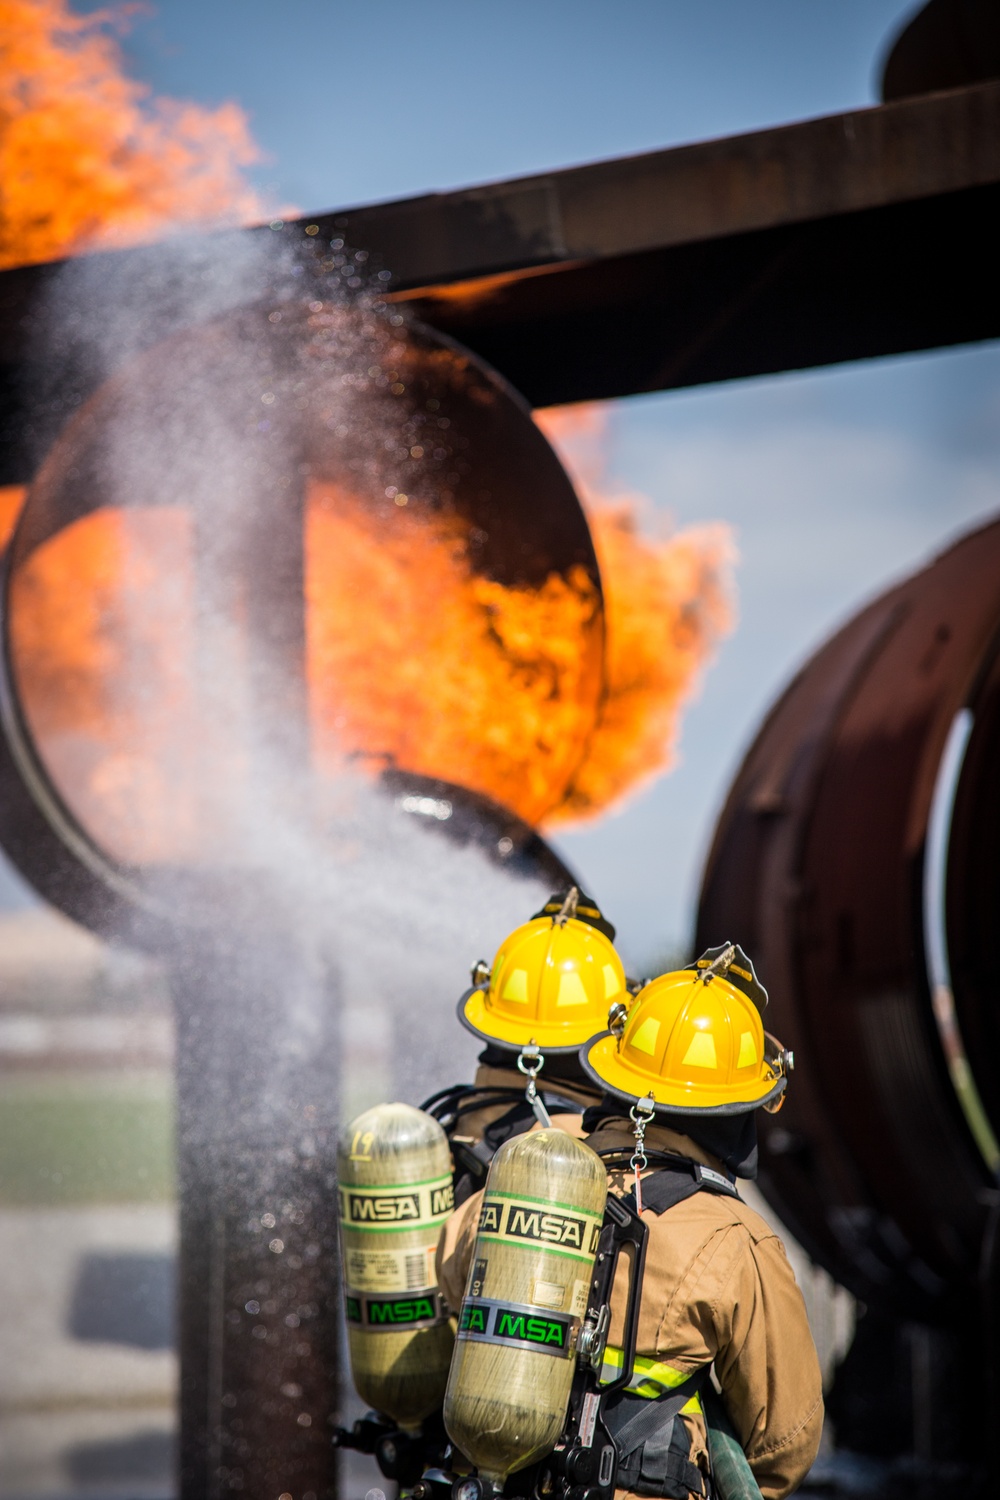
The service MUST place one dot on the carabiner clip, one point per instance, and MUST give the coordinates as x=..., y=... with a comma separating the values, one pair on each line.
x=530, y=1062
x=640, y=1114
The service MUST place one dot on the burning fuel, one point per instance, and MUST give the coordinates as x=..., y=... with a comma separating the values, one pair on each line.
x=414, y=660
x=88, y=158
x=478, y=682
x=668, y=602
x=415, y=655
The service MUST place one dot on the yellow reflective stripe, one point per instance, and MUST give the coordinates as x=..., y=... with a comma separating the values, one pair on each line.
x=692, y=1408
x=650, y=1377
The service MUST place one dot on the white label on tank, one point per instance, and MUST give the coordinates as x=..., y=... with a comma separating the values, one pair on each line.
x=389, y=1270
x=548, y=1294
x=416, y=1269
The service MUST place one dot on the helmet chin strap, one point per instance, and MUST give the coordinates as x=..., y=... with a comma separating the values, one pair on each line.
x=640, y=1114
x=530, y=1062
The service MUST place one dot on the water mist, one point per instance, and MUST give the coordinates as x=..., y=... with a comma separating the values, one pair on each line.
x=161, y=650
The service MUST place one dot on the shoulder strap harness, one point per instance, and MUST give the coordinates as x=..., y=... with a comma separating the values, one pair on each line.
x=644, y=1419
x=472, y=1158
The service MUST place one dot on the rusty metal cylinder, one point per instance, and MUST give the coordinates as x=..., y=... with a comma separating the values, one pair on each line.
x=525, y=1299
x=856, y=859
x=395, y=1185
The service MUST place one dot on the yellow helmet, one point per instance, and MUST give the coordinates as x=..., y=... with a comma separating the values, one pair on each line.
x=552, y=982
x=694, y=1042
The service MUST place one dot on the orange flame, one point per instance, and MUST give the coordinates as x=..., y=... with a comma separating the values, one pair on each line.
x=668, y=601
x=11, y=501
x=417, y=661
x=102, y=642
x=88, y=158
x=413, y=659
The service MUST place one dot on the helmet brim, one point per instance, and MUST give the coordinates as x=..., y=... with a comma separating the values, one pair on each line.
x=475, y=1017
x=600, y=1061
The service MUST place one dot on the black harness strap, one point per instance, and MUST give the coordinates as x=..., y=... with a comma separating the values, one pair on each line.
x=676, y=1178
x=671, y=1185
x=450, y=1106
x=652, y=1440
x=632, y=1419
x=472, y=1158
x=653, y=1443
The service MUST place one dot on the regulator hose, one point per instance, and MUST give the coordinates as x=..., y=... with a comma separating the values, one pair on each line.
x=731, y=1472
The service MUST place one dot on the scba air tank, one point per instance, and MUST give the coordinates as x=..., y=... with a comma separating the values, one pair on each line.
x=525, y=1300
x=394, y=1168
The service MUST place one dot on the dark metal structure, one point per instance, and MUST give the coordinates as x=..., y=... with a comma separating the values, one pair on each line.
x=868, y=233
x=947, y=43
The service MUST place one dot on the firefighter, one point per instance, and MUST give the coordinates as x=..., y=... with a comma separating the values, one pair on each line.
x=682, y=1076
x=549, y=989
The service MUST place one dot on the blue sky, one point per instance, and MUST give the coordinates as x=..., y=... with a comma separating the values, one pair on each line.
x=356, y=102
x=836, y=482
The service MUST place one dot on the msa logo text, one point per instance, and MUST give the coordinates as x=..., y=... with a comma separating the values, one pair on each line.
x=473, y=1319
x=442, y=1199
x=550, y=1229
x=385, y=1209
x=391, y=1310
x=514, y=1325
x=537, y=1224
x=511, y=1324
x=490, y=1216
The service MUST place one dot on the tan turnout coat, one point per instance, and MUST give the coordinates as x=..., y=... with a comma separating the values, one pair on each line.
x=718, y=1290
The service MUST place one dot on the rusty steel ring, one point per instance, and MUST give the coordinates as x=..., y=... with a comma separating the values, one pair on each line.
x=856, y=860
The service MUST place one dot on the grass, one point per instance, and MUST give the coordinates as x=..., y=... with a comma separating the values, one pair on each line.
x=91, y=1138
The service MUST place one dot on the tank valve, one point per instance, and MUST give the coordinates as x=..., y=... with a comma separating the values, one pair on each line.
x=593, y=1338
x=474, y=1488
